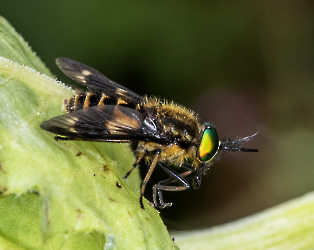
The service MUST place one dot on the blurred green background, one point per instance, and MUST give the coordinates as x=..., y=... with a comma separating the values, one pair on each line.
x=246, y=66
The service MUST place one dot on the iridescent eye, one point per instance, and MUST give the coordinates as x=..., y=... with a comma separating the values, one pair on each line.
x=209, y=144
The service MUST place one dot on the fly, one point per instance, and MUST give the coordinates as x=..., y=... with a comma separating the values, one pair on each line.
x=161, y=133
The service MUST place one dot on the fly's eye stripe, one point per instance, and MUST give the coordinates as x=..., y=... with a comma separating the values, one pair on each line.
x=209, y=145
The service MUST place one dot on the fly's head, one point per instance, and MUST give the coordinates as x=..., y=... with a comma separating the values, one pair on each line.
x=210, y=147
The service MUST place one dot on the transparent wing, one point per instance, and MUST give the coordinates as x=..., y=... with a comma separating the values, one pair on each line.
x=91, y=78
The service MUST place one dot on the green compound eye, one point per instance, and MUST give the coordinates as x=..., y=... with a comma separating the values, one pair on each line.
x=209, y=144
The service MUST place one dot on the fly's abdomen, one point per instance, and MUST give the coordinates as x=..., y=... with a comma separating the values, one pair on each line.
x=82, y=100
x=90, y=99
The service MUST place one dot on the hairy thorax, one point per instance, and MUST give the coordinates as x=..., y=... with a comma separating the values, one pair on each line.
x=175, y=122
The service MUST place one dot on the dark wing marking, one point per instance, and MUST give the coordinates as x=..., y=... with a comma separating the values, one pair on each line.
x=105, y=122
x=91, y=78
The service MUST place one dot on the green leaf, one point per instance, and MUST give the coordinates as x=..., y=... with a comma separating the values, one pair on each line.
x=287, y=226
x=61, y=194
x=14, y=48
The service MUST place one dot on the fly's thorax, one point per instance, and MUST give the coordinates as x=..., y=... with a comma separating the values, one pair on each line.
x=177, y=123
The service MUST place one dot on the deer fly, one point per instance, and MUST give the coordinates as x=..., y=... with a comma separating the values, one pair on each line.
x=160, y=132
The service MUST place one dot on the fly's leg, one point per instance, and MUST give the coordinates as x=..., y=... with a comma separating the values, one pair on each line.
x=134, y=166
x=163, y=185
x=187, y=166
x=148, y=175
x=157, y=191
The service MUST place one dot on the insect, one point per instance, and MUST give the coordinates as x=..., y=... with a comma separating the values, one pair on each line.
x=159, y=132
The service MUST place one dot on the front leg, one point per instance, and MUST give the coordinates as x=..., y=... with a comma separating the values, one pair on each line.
x=136, y=163
x=148, y=175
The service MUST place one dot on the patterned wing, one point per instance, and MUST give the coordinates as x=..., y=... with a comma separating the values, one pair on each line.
x=105, y=123
x=91, y=78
